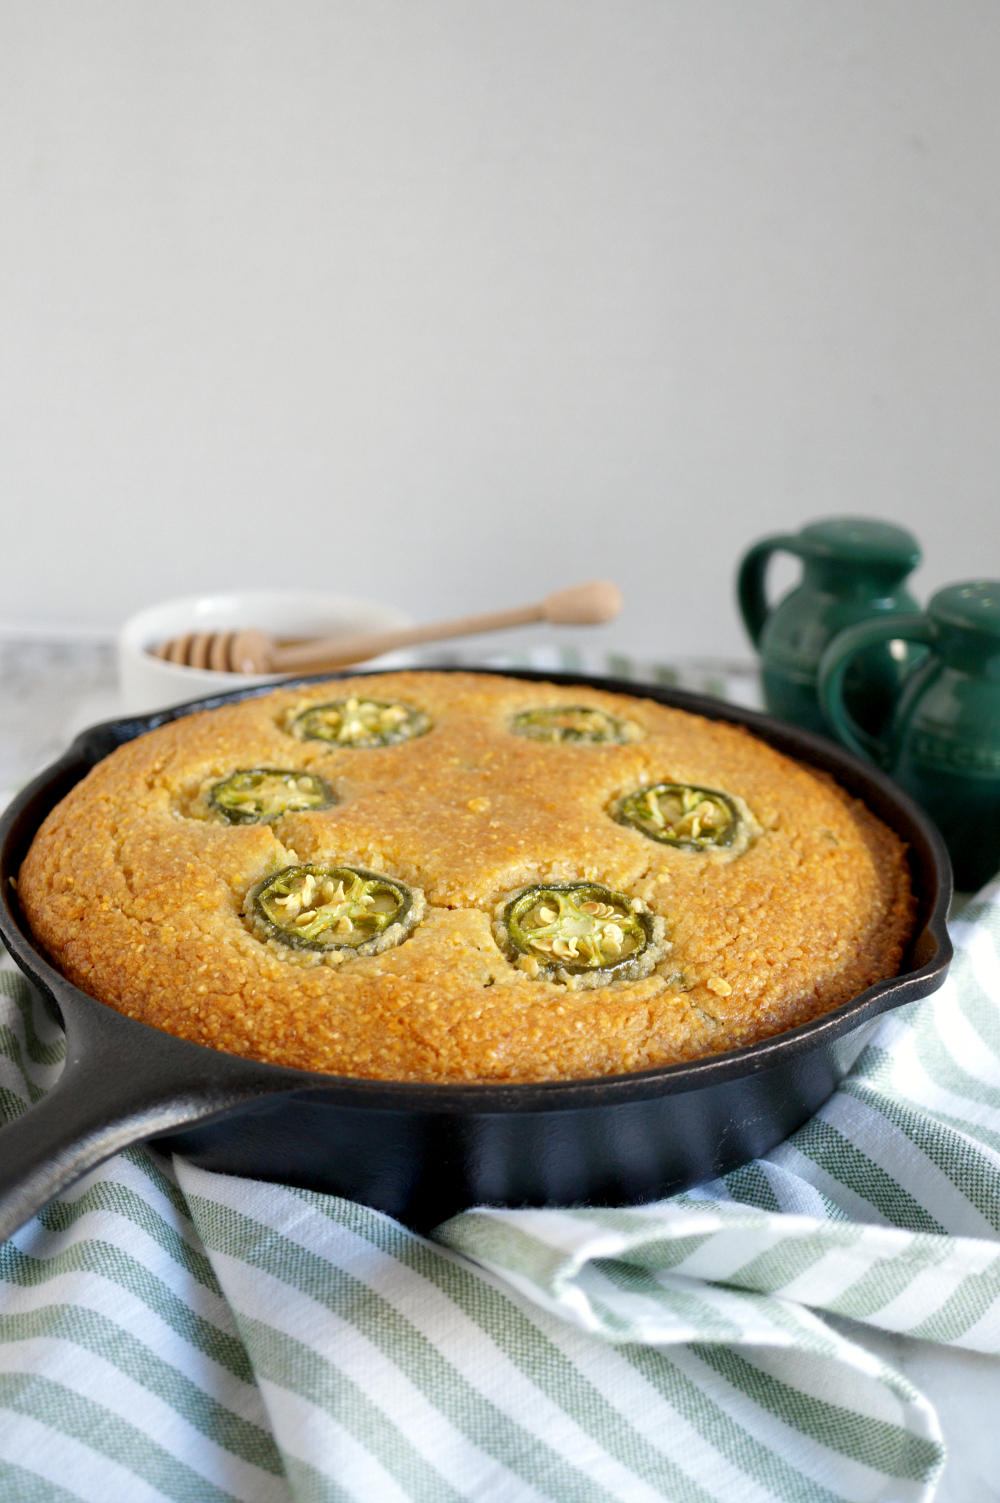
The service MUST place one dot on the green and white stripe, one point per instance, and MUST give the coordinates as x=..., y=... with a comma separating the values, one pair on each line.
x=166, y=1333
x=738, y=682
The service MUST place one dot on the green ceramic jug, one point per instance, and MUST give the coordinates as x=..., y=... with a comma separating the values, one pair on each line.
x=853, y=569
x=943, y=745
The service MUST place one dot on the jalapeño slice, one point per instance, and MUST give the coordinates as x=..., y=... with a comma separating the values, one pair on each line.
x=358, y=722
x=573, y=928
x=581, y=725
x=331, y=908
x=260, y=795
x=681, y=815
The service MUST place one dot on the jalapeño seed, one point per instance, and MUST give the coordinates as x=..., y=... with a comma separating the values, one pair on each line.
x=260, y=795
x=682, y=815
x=358, y=722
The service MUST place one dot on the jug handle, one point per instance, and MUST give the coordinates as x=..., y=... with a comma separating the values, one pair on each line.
x=835, y=662
x=751, y=578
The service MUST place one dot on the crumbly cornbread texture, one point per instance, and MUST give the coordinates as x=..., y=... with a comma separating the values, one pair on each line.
x=137, y=895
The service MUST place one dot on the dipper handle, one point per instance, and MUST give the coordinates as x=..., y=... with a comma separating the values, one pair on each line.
x=589, y=604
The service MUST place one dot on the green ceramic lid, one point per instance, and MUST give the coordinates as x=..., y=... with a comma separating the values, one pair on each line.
x=861, y=541
x=973, y=606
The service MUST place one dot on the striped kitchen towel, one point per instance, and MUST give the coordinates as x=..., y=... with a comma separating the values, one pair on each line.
x=173, y=1334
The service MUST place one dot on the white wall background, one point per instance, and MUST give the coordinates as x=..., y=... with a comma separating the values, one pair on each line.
x=456, y=302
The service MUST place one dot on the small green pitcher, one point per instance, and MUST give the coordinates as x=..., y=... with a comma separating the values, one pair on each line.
x=943, y=744
x=853, y=569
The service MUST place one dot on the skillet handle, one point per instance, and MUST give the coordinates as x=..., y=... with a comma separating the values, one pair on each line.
x=70, y=1131
x=108, y=1097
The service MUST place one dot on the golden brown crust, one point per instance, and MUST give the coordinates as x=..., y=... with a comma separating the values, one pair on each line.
x=138, y=901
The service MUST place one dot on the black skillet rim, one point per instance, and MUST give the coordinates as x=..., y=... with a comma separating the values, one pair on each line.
x=882, y=795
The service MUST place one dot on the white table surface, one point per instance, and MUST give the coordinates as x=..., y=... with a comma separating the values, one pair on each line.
x=52, y=686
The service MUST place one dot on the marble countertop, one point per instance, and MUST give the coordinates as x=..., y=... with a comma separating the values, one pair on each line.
x=51, y=686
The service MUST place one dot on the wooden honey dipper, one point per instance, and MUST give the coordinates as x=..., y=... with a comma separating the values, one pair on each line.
x=252, y=652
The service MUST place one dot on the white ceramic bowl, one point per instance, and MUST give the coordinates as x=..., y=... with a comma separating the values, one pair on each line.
x=147, y=683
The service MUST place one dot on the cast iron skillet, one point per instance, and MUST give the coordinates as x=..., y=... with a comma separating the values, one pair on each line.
x=423, y=1152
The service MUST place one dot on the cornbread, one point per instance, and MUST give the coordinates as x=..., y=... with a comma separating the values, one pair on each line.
x=462, y=877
